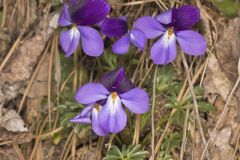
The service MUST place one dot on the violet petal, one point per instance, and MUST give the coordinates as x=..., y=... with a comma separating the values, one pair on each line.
x=191, y=42
x=121, y=46
x=117, y=81
x=64, y=18
x=185, y=17
x=164, y=50
x=114, y=27
x=69, y=40
x=96, y=124
x=92, y=12
x=136, y=100
x=138, y=38
x=112, y=117
x=150, y=26
x=91, y=93
x=92, y=42
x=165, y=17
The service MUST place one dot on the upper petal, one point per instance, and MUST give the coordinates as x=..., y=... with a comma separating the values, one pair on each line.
x=138, y=38
x=121, y=46
x=92, y=42
x=91, y=93
x=150, y=26
x=64, y=18
x=185, y=17
x=112, y=117
x=164, y=50
x=114, y=27
x=95, y=122
x=69, y=40
x=117, y=81
x=136, y=100
x=91, y=12
x=165, y=17
x=191, y=42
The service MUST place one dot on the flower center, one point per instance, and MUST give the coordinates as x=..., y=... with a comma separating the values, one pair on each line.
x=114, y=96
x=170, y=31
x=97, y=107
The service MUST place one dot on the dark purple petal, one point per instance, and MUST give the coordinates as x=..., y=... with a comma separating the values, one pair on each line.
x=136, y=100
x=114, y=27
x=117, y=81
x=69, y=40
x=64, y=18
x=164, y=50
x=91, y=93
x=138, y=38
x=121, y=46
x=95, y=122
x=185, y=17
x=150, y=26
x=92, y=42
x=165, y=17
x=91, y=12
x=191, y=42
x=112, y=117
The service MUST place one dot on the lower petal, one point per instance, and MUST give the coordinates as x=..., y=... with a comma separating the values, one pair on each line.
x=92, y=42
x=138, y=38
x=191, y=42
x=69, y=40
x=95, y=122
x=164, y=50
x=136, y=100
x=121, y=46
x=112, y=117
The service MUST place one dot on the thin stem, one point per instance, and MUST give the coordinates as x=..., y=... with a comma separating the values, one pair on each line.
x=221, y=116
x=195, y=103
x=152, y=112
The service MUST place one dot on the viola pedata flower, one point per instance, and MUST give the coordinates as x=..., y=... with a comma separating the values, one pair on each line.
x=81, y=14
x=107, y=101
x=118, y=27
x=171, y=26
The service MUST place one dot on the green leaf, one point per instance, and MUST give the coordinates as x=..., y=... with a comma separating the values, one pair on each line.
x=132, y=152
x=229, y=8
x=205, y=107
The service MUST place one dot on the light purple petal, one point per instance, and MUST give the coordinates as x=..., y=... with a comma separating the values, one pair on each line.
x=117, y=81
x=86, y=111
x=185, y=17
x=95, y=122
x=112, y=116
x=92, y=12
x=69, y=40
x=121, y=46
x=136, y=100
x=165, y=17
x=114, y=27
x=64, y=18
x=150, y=26
x=91, y=93
x=164, y=50
x=82, y=120
x=92, y=42
x=138, y=38
x=191, y=42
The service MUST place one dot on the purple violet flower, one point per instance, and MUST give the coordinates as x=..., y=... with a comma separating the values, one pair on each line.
x=171, y=26
x=81, y=15
x=118, y=27
x=106, y=99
